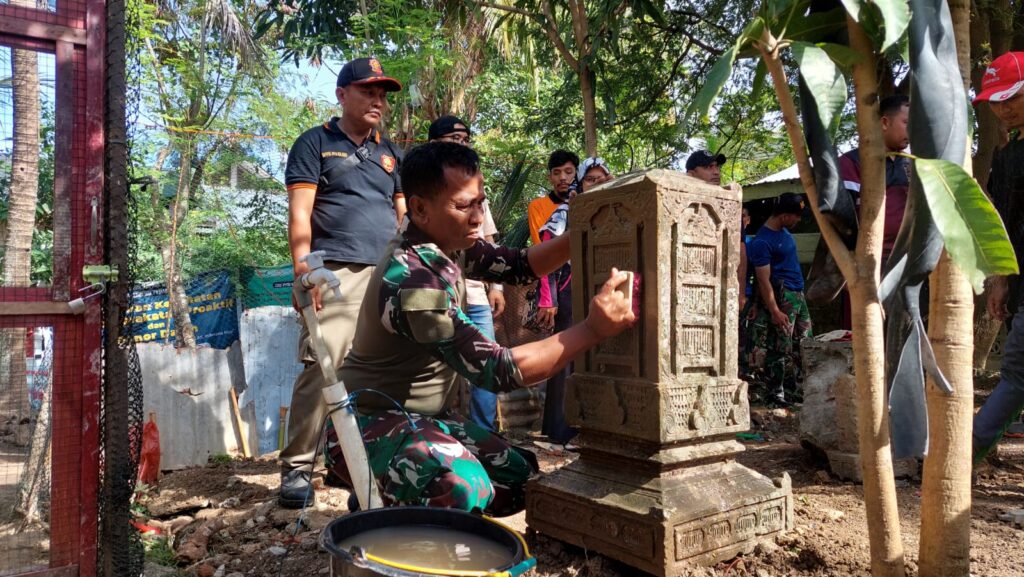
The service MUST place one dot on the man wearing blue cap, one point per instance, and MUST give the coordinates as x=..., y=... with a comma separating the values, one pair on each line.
x=343, y=184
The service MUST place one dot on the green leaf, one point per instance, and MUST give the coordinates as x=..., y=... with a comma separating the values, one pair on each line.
x=896, y=18
x=844, y=56
x=824, y=80
x=713, y=85
x=817, y=25
x=853, y=7
x=751, y=32
x=777, y=7
x=971, y=228
x=760, y=73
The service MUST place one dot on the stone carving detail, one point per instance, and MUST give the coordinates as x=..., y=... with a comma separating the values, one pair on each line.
x=607, y=255
x=622, y=532
x=613, y=242
x=771, y=519
x=689, y=543
x=699, y=259
x=698, y=262
x=708, y=534
x=682, y=403
x=697, y=343
x=657, y=406
x=696, y=300
x=746, y=526
x=718, y=404
x=613, y=219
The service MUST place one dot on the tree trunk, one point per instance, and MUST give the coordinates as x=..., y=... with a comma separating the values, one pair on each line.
x=946, y=482
x=862, y=272
x=185, y=334
x=589, y=109
x=866, y=311
x=21, y=217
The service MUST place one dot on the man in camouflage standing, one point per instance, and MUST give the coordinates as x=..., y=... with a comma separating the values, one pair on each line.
x=778, y=315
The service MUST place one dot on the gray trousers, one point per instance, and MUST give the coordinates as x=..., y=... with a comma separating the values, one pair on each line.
x=338, y=327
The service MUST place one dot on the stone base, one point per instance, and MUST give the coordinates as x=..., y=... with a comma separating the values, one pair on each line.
x=702, y=514
x=828, y=419
x=847, y=466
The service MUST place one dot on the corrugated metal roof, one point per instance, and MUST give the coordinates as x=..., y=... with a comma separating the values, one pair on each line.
x=789, y=174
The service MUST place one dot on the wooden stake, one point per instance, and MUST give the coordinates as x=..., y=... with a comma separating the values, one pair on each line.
x=282, y=423
x=238, y=423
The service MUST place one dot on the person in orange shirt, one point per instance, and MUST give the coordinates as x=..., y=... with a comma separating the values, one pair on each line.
x=562, y=166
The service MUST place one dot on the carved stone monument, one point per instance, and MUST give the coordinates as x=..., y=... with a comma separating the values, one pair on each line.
x=656, y=485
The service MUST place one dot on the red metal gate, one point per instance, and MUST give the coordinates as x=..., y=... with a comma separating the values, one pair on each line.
x=50, y=374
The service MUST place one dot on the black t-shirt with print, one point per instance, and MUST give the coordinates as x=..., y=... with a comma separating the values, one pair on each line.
x=353, y=213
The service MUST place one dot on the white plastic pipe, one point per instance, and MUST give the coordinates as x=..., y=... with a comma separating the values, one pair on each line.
x=345, y=424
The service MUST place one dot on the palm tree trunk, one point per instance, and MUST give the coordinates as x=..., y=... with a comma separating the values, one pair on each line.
x=21, y=218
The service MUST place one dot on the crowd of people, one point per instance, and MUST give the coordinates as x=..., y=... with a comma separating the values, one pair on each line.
x=417, y=309
x=403, y=326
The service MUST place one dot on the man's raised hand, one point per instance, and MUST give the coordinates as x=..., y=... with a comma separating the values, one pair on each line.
x=610, y=311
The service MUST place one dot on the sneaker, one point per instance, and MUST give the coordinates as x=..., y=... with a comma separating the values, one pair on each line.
x=296, y=490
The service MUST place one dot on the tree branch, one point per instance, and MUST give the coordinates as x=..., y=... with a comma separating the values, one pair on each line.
x=551, y=29
x=512, y=9
x=655, y=96
x=768, y=48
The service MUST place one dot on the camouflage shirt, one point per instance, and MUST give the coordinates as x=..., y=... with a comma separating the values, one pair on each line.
x=415, y=297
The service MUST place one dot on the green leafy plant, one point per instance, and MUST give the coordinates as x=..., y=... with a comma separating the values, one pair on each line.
x=220, y=459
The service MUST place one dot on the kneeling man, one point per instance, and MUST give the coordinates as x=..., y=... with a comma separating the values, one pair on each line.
x=413, y=338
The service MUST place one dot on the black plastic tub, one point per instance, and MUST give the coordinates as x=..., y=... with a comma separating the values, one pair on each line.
x=355, y=564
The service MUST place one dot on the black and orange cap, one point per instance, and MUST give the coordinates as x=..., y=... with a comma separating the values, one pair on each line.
x=366, y=71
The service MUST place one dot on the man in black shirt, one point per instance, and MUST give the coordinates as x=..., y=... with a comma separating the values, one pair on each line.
x=1002, y=89
x=343, y=185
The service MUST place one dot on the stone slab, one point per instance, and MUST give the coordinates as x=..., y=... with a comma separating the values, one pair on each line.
x=665, y=524
x=828, y=418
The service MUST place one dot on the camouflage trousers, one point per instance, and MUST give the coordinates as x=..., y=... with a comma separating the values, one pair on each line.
x=771, y=355
x=447, y=462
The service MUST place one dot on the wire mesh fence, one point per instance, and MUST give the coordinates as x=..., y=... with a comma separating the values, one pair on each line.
x=26, y=386
x=121, y=550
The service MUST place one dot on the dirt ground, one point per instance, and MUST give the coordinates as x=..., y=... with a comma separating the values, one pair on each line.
x=22, y=545
x=251, y=535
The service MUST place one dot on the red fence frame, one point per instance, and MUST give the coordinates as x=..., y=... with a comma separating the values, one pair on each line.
x=75, y=34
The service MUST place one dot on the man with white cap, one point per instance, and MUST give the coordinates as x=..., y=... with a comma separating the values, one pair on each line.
x=1001, y=88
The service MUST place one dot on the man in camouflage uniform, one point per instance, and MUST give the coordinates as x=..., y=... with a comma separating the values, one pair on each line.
x=413, y=339
x=778, y=318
